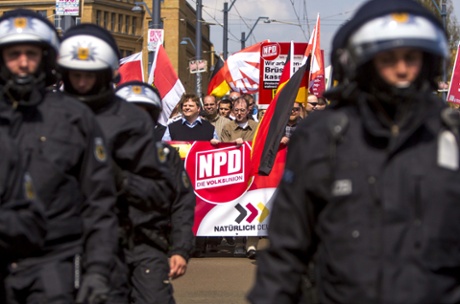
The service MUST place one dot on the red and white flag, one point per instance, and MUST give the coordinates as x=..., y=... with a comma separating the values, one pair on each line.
x=131, y=68
x=317, y=83
x=242, y=69
x=454, y=88
x=164, y=78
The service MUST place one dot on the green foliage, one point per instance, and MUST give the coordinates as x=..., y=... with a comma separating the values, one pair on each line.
x=452, y=25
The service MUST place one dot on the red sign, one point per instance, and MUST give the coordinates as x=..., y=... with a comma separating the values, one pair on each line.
x=217, y=174
x=454, y=89
x=271, y=67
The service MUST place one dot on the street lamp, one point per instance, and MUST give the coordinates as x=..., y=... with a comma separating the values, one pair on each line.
x=225, y=44
x=244, y=38
x=155, y=15
x=186, y=40
x=198, y=49
x=156, y=22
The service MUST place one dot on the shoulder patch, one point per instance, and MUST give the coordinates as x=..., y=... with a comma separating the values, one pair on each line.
x=342, y=187
x=29, y=189
x=185, y=180
x=99, y=150
x=162, y=152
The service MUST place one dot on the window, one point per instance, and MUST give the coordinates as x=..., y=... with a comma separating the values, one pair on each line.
x=98, y=17
x=127, y=24
x=57, y=22
x=113, y=21
x=106, y=20
x=42, y=13
x=133, y=27
x=120, y=23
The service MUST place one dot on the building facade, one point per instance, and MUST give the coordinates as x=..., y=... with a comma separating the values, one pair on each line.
x=130, y=29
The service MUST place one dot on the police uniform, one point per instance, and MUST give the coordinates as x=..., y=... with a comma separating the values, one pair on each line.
x=64, y=151
x=144, y=185
x=143, y=182
x=22, y=216
x=375, y=197
x=159, y=233
x=67, y=159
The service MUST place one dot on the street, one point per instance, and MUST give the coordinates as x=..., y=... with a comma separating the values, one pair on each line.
x=216, y=278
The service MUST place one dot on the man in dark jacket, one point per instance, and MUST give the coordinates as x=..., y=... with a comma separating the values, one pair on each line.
x=376, y=194
x=64, y=150
x=143, y=180
x=171, y=232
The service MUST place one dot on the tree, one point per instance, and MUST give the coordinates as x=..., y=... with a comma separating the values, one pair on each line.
x=452, y=27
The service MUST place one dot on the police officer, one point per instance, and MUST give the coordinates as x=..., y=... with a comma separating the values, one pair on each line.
x=22, y=215
x=170, y=233
x=376, y=195
x=64, y=150
x=88, y=62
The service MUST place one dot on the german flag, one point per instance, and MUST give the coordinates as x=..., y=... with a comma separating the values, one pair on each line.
x=271, y=128
x=218, y=86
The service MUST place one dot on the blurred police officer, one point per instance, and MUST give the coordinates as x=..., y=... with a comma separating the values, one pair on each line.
x=64, y=150
x=143, y=183
x=376, y=195
x=170, y=233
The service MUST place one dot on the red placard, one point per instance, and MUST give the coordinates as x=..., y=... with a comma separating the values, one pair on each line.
x=272, y=58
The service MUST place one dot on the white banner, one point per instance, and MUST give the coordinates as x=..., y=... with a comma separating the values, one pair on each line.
x=155, y=38
x=68, y=7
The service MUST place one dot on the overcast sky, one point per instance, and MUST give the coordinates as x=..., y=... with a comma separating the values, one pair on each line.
x=295, y=20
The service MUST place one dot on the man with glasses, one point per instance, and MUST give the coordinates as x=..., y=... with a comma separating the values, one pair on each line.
x=241, y=129
x=291, y=125
x=233, y=96
x=252, y=109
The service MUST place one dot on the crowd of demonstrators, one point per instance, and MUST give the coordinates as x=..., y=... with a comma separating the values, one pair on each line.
x=171, y=230
x=64, y=151
x=382, y=227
